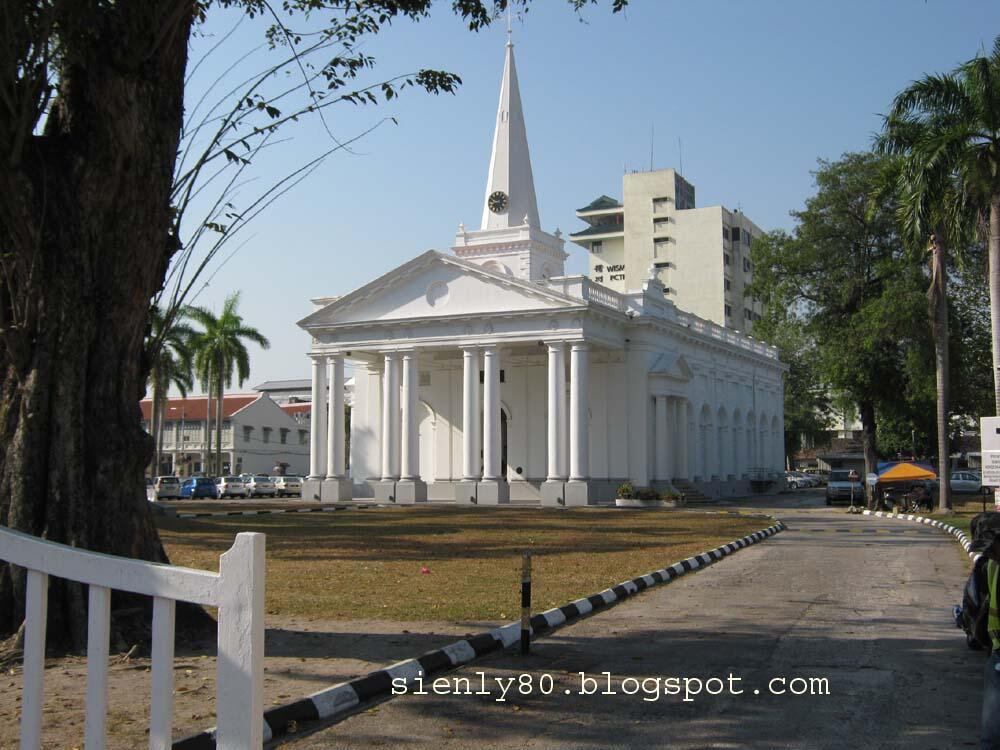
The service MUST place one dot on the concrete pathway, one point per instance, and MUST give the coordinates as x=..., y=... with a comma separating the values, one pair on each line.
x=868, y=614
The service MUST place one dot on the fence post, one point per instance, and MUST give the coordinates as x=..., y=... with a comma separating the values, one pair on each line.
x=32, y=690
x=526, y=602
x=240, y=661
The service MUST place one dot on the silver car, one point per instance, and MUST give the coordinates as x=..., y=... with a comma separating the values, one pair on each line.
x=260, y=487
x=962, y=482
x=287, y=486
x=165, y=487
x=230, y=487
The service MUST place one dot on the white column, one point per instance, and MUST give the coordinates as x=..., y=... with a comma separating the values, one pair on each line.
x=671, y=446
x=410, y=463
x=470, y=413
x=579, y=469
x=390, y=415
x=563, y=421
x=335, y=424
x=660, y=446
x=557, y=395
x=683, y=466
x=491, y=414
x=317, y=429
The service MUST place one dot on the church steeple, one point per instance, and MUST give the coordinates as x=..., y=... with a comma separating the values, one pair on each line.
x=510, y=187
x=510, y=240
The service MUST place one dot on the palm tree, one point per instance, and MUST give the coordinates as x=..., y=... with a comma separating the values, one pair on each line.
x=960, y=113
x=170, y=357
x=218, y=349
x=943, y=130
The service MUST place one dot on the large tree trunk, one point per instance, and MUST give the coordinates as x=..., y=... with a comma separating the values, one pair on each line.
x=937, y=297
x=866, y=410
x=994, y=255
x=84, y=223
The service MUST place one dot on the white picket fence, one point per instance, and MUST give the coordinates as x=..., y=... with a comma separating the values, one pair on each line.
x=237, y=590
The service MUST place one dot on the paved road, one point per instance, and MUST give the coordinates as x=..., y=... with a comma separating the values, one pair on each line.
x=868, y=612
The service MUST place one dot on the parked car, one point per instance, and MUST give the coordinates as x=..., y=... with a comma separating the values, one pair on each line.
x=822, y=475
x=196, y=487
x=808, y=479
x=165, y=487
x=260, y=486
x=841, y=487
x=230, y=487
x=793, y=480
x=287, y=486
x=966, y=482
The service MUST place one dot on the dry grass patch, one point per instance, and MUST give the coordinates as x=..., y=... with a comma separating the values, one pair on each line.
x=367, y=564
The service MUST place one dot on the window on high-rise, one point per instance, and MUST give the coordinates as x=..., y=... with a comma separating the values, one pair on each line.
x=729, y=285
x=729, y=311
x=660, y=205
x=596, y=247
x=726, y=259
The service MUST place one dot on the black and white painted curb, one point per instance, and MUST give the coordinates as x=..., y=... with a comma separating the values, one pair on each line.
x=347, y=697
x=959, y=535
x=272, y=511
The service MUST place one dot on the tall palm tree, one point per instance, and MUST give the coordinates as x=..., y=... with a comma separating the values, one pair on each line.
x=219, y=351
x=960, y=114
x=170, y=357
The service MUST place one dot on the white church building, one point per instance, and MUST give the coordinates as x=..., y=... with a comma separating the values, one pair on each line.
x=485, y=374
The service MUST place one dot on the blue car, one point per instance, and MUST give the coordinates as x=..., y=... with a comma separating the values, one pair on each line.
x=196, y=487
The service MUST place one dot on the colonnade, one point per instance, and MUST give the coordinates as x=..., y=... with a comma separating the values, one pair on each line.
x=327, y=435
x=670, y=438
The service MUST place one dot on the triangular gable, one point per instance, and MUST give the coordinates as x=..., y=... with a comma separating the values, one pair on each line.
x=671, y=365
x=437, y=285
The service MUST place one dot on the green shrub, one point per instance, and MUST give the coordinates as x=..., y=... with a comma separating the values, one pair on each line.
x=648, y=493
x=670, y=495
x=626, y=491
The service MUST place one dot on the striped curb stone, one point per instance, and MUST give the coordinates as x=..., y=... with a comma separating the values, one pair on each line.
x=357, y=694
x=959, y=535
x=218, y=513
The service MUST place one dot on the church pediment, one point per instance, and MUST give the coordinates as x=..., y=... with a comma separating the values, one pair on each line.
x=435, y=285
x=671, y=365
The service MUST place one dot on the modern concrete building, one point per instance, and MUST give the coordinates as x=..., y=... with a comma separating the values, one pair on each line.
x=485, y=374
x=700, y=255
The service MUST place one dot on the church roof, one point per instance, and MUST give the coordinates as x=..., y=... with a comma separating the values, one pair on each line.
x=410, y=270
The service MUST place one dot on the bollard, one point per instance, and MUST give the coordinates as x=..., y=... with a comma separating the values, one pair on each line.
x=526, y=602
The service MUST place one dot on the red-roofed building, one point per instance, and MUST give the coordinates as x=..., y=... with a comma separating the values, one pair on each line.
x=258, y=435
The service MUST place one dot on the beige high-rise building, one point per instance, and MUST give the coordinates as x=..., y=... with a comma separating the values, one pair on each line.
x=701, y=255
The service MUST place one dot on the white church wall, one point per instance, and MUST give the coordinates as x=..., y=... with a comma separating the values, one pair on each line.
x=617, y=419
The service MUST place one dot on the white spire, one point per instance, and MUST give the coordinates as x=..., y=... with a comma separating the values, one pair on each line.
x=510, y=164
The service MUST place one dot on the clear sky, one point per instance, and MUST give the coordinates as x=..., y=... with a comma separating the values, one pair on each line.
x=755, y=91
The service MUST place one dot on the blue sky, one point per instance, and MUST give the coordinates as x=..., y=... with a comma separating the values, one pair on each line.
x=755, y=91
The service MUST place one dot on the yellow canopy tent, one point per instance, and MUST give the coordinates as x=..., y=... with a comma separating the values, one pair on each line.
x=905, y=471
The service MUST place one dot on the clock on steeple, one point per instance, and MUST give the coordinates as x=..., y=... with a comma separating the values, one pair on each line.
x=498, y=201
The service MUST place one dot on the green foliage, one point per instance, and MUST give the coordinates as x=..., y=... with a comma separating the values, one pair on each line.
x=647, y=493
x=626, y=491
x=219, y=348
x=841, y=297
x=807, y=398
x=971, y=354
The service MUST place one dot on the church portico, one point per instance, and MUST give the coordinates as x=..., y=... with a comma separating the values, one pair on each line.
x=486, y=375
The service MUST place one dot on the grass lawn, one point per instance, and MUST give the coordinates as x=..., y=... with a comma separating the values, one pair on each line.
x=965, y=507
x=367, y=564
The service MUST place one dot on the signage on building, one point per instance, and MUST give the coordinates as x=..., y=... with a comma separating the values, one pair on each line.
x=989, y=436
